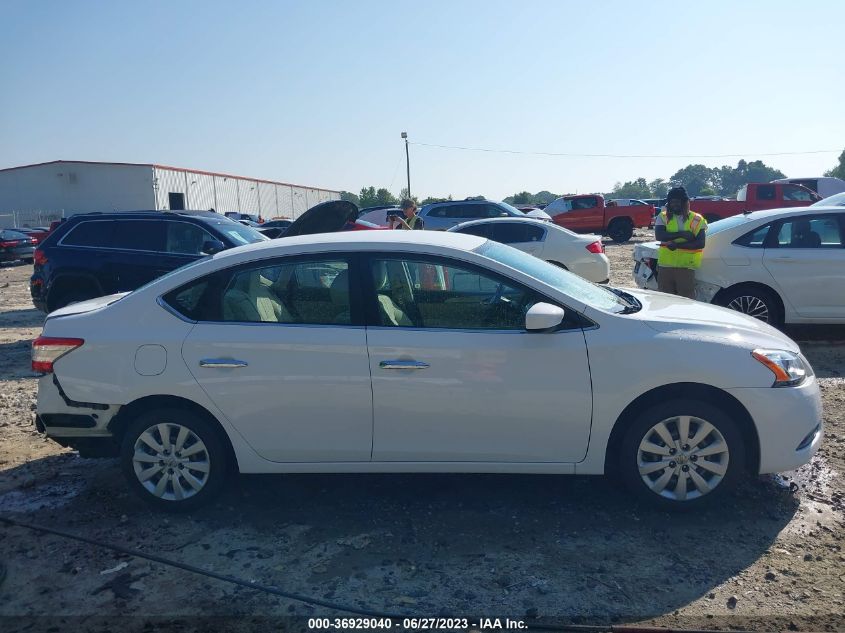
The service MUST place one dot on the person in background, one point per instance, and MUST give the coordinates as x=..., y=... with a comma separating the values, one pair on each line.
x=682, y=234
x=411, y=222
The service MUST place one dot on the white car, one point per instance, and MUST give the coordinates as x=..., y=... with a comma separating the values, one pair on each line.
x=581, y=254
x=780, y=266
x=418, y=351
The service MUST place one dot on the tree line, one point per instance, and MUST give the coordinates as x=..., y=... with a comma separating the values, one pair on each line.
x=699, y=180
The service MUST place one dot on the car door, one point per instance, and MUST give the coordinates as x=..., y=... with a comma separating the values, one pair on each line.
x=807, y=259
x=456, y=378
x=281, y=350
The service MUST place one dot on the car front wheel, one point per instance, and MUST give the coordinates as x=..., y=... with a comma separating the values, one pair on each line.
x=173, y=459
x=681, y=454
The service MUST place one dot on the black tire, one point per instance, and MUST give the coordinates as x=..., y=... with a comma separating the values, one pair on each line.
x=214, y=458
x=628, y=456
x=620, y=230
x=712, y=218
x=755, y=301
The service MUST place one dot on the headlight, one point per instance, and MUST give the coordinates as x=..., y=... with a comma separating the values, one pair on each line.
x=789, y=368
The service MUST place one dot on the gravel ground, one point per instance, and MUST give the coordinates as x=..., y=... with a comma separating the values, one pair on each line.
x=571, y=548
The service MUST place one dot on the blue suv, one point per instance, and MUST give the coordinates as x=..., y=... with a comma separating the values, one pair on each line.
x=95, y=254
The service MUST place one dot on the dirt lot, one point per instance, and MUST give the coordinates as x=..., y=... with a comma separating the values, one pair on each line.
x=572, y=549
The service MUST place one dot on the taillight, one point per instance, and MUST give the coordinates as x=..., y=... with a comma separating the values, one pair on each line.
x=595, y=247
x=46, y=350
x=9, y=244
x=651, y=262
x=39, y=257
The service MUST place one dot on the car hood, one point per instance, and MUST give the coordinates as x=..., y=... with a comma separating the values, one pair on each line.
x=87, y=306
x=326, y=217
x=696, y=320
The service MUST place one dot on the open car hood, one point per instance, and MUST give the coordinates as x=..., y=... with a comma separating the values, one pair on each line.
x=326, y=217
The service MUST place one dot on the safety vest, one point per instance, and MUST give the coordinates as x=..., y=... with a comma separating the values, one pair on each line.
x=411, y=223
x=681, y=257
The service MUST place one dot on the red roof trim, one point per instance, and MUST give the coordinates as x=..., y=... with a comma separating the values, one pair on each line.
x=155, y=166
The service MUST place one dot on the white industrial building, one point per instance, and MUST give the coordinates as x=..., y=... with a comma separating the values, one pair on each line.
x=66, y=187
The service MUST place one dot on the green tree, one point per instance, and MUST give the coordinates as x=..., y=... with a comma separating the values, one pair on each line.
x=659, y=188
x=693, y=178
x=523, y=197
x=633, y=189
x=350, y=197
x=727, y=180
x=367, y=197
x=431, y=200
x=404, y=194
x=384, y=197
x=707, y=191
x=839, y=170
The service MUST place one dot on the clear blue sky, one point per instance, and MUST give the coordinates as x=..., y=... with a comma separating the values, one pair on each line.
x=318, y=92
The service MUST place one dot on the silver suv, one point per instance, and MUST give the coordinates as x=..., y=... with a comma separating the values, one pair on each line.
x=439, y=216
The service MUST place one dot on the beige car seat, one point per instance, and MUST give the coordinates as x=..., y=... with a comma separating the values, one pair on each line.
x=250, y=300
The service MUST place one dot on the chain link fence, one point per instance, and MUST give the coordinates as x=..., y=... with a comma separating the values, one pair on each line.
x=28, y=219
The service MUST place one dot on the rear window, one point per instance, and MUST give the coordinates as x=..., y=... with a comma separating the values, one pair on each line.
x=90, y=233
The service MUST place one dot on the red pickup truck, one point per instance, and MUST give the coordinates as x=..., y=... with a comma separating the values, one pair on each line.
x=756, y=196
x=590, y=214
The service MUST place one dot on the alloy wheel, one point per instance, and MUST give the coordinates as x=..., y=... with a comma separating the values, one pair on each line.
x=683, y=458
x=750, y=305
x=171, y=462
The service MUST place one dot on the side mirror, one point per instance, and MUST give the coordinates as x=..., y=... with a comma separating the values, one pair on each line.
x=504, y=214
x=210, y=247
x=543, y=316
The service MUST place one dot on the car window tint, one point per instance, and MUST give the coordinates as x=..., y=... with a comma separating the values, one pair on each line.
x=810, y=232
x=186, y=239
x=755, y=238
x=588, y=202
x=481, y=230
x=492, y=211
x=90, y=234
x=791, y=192
x=307, y=292
x=424, y=294
x=765, y=192
x=139, y=235
x=516, y=232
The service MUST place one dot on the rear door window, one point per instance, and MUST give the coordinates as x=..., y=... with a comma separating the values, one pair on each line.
x=516, y=232
x=481, y=230
x=765, y=192
x=139, y=235
x=91, y=233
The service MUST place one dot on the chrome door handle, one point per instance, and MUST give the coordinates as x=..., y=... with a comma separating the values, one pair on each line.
x=402, y=364
x=783, y=259
x=222, y=363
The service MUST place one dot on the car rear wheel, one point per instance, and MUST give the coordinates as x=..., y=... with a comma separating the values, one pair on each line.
x=681, y=454
x=620, y=230
x=753, y=301
x=174, y=459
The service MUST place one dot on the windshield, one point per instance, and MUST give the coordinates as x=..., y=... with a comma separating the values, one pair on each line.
x=513, y=210
x=241, y=234
x=568, y=283
x=836, y=200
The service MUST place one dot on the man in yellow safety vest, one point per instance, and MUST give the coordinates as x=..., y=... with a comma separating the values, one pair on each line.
x=682, y=234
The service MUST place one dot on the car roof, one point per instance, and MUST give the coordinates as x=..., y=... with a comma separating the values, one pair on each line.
x=776, y=213
x=134, y=215
x=317, y=241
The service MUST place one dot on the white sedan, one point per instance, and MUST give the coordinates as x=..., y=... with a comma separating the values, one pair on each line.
x=418, y=351
x=581, y=254
x=780, y=266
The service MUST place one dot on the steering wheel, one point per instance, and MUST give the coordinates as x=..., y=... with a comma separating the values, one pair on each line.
x=497, y=296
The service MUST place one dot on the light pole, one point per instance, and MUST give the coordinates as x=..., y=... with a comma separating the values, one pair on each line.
x=407, y=163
